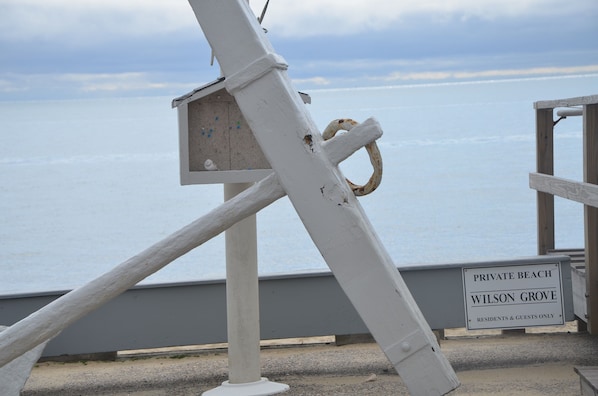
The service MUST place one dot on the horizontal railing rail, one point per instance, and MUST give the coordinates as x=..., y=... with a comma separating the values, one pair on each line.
x=293, y=305
x=584, y=193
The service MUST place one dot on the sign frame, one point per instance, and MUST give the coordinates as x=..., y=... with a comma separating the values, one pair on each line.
x=513, y=296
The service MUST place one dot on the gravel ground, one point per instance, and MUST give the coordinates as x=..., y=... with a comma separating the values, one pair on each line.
x=514, y=364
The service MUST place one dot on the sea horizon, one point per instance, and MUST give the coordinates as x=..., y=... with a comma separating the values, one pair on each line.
x=86, y=184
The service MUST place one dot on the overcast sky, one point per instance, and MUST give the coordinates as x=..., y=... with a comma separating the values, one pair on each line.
x=89, y=48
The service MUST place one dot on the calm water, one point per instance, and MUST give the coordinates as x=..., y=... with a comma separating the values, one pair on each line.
x=84, y=185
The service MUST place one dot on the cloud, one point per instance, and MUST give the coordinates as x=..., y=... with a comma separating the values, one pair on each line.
x=314, y=81
x=101, y=47
x=8, y=85
x=111, y=82
x=66, y=85
x=92, y=21
x=341, y=17
x=72, y=85
x=489, y=74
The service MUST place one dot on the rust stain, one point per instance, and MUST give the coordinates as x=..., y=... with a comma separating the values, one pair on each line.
x=308, y=139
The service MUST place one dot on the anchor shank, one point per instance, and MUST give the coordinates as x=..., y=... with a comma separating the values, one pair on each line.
x=338, y=226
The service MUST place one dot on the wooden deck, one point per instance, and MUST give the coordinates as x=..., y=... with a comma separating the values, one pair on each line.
x=588, y=377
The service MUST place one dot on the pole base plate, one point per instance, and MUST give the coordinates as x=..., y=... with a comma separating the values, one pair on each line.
x=263, y=387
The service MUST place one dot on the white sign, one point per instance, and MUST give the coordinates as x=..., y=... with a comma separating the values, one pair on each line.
x=515, y=296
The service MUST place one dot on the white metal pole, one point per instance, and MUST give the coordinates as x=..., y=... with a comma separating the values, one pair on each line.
x=243, y=309
x=242, y=296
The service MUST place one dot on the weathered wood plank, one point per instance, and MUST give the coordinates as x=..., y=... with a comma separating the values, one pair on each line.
x=335, y=220
x=577, y=255
x=578, y=287
x=590, y=133
x=545, y=165
x=588, y=377
x=584, y=193
x=577, y=101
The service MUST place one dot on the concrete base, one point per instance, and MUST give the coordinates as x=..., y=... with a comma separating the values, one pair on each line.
x=262, y=387
x=14, y=375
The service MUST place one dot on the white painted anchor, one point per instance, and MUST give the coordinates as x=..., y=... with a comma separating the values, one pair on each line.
x=256, y=76
x=306, y=170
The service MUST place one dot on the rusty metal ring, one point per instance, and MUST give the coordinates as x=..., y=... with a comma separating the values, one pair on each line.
x=345, y=124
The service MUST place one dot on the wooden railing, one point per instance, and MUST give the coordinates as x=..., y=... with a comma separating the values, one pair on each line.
x=585, y=192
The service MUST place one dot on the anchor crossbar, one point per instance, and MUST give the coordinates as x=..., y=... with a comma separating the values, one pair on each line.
x=336, y=222
x=50, y=320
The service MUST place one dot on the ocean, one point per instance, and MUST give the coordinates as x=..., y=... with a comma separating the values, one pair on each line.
x=87, y=184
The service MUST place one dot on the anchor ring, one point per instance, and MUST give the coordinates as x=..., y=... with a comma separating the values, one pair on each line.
x=346, y=124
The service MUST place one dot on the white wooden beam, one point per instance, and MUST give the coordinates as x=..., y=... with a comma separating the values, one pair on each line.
x=50, y=320
x=257, y=77
x=15, y=374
